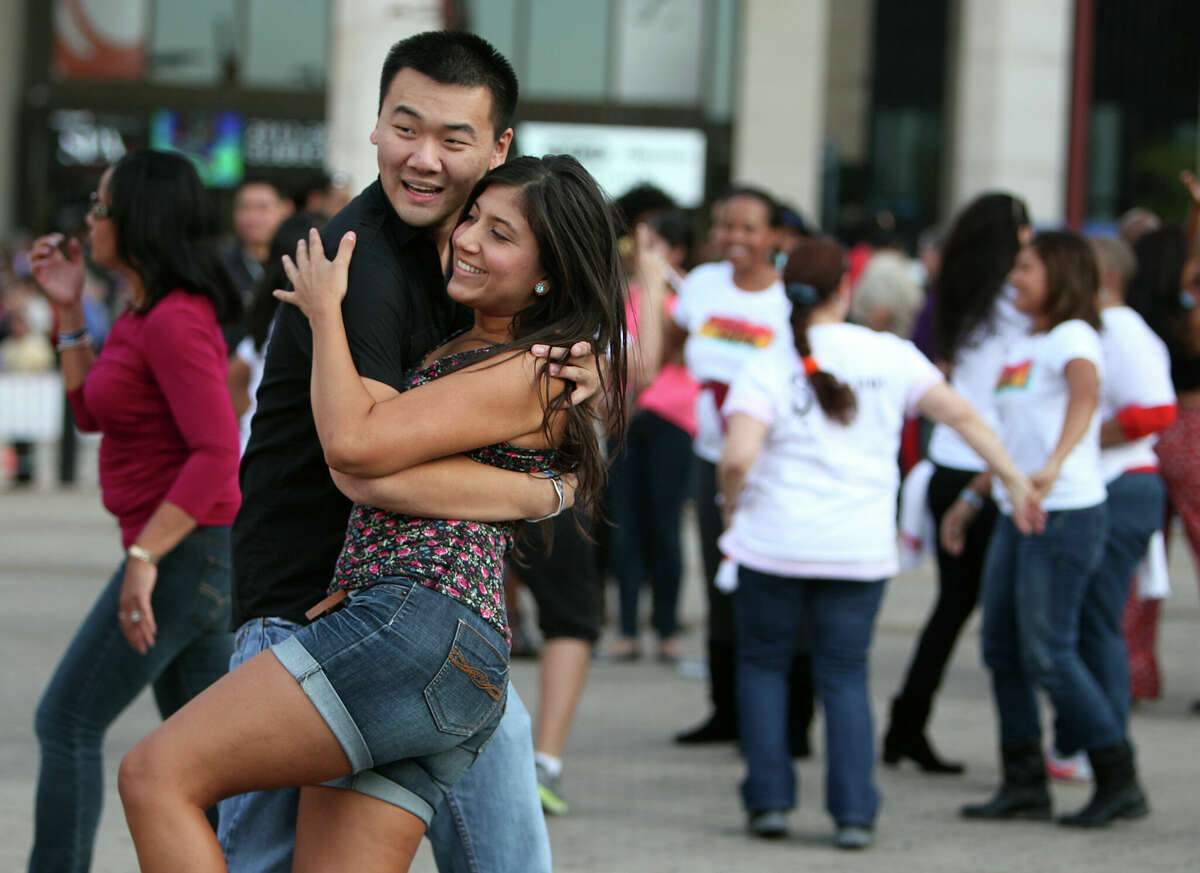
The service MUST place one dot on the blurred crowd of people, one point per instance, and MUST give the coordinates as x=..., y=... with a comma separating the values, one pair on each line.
x=1027, y=399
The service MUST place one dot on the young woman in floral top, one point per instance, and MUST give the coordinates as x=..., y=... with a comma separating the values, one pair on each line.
x=403, y=686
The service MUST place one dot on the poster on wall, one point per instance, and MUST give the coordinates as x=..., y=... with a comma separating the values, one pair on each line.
x=621, y=156
x=99, y=39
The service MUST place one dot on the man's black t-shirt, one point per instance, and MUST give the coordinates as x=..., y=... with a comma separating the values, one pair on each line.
x=289, y=532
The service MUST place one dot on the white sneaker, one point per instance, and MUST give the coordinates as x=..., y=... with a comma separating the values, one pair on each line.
x=1074, y=768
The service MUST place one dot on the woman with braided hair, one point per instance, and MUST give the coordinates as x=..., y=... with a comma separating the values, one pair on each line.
x=808, y=478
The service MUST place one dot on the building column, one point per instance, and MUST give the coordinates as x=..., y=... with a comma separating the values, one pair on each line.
x=848, y=89
x=1011, y=87
x=361, y=32
x=779, y=120
x=12, y=74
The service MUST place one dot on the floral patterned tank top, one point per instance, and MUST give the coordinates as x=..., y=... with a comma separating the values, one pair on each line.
x=461, y=559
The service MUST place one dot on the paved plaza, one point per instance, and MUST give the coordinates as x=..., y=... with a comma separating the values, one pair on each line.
x=638, y=803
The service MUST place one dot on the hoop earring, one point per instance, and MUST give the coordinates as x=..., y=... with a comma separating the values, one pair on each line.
x=541, y=289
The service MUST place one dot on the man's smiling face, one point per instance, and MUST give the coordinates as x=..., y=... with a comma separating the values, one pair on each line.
x=433, y=143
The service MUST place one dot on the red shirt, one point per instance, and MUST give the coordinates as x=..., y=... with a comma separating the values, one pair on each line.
x=157, y=392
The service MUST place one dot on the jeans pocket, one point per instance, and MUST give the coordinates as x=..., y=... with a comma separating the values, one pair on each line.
x=470, y=685
x=212, y=597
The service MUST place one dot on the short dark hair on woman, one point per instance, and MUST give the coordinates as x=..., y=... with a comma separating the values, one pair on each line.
x=1072, y=277
x=166, y=229
x=575, y=228
x=774, y=211
x=454, y=57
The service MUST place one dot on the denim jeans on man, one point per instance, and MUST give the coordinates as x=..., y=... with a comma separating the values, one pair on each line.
x=1033, y=593
x=840, y=618
x=1135, y=511
x=490, y=822
x=100, y=675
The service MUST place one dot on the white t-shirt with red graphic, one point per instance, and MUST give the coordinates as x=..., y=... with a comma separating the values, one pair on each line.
x=726, y=328
x=1137, y=389
x=1030, y=398
x=973, y=375
x=820, y=501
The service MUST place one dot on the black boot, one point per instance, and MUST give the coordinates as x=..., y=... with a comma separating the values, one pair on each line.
x=721, y=726
x=800, y=705
x=1117, y=793
x=1023, y=792
x=905, y=738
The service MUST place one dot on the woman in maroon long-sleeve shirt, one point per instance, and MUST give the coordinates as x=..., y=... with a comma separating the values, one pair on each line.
x=168, y=472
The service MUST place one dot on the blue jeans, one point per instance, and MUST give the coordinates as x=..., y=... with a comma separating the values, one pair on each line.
x=490, y=822
x=647, y=487
x=840, y=617
x=100, y=675
x=1033, y=593
x=412, y=684
x=1135, y=511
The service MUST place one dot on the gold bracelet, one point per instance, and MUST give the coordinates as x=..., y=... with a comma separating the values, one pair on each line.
x=139, y=554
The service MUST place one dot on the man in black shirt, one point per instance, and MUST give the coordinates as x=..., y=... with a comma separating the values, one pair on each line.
x=446, y=100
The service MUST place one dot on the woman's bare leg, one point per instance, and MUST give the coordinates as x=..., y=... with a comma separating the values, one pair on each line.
x=253, y=729
x=339, y=830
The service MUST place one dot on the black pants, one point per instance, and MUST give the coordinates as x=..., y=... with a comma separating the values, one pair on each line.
x=564, y=581
x=958, y=591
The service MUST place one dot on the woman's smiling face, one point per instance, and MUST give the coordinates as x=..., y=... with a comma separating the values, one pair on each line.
x=746, y=232
x=494, y=258
x=1028, y=278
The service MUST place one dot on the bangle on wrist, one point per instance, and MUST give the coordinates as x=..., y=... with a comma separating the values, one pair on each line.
x=73, y=339
x=556, y=481
x=139, y=554
x=971, y=498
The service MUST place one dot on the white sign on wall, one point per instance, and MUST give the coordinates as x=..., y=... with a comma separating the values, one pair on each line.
x=621, y=157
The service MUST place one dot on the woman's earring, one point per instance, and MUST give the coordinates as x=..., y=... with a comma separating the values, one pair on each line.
x=541, y=289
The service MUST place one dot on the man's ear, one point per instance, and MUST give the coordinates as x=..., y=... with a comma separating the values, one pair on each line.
x=374, y=136
x=500, y=153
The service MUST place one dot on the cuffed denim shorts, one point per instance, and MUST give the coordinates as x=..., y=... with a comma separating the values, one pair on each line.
x=411, y=682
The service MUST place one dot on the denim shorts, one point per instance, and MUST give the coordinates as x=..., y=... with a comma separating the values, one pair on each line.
x=412, y=684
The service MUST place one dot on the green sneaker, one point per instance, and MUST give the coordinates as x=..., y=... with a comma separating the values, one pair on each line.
x=550, y=791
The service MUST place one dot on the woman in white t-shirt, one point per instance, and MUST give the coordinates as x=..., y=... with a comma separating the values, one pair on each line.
x=975, y=322
x=728, y=313
x=1137, y=401
x=809, y=479
x=1034, y=585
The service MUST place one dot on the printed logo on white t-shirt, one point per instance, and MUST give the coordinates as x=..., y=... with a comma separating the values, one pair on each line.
x=802, y=395
x=738, y=331
x=1015, y=377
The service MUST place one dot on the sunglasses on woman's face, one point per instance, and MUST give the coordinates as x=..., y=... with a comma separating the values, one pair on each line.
x=97, y=208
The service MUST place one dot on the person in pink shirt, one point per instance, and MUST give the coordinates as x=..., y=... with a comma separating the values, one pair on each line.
x=168, y=472
x=651, y=475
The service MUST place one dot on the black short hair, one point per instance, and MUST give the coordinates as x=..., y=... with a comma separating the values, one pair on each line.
x=636, y=203
x=254, y=179
x=454, y=57
x=774, y=212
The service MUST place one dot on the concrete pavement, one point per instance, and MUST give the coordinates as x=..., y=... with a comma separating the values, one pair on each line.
x=639, y=804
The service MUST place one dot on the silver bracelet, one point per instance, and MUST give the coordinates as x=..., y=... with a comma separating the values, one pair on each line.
x=971, y=498
x=556, y=481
